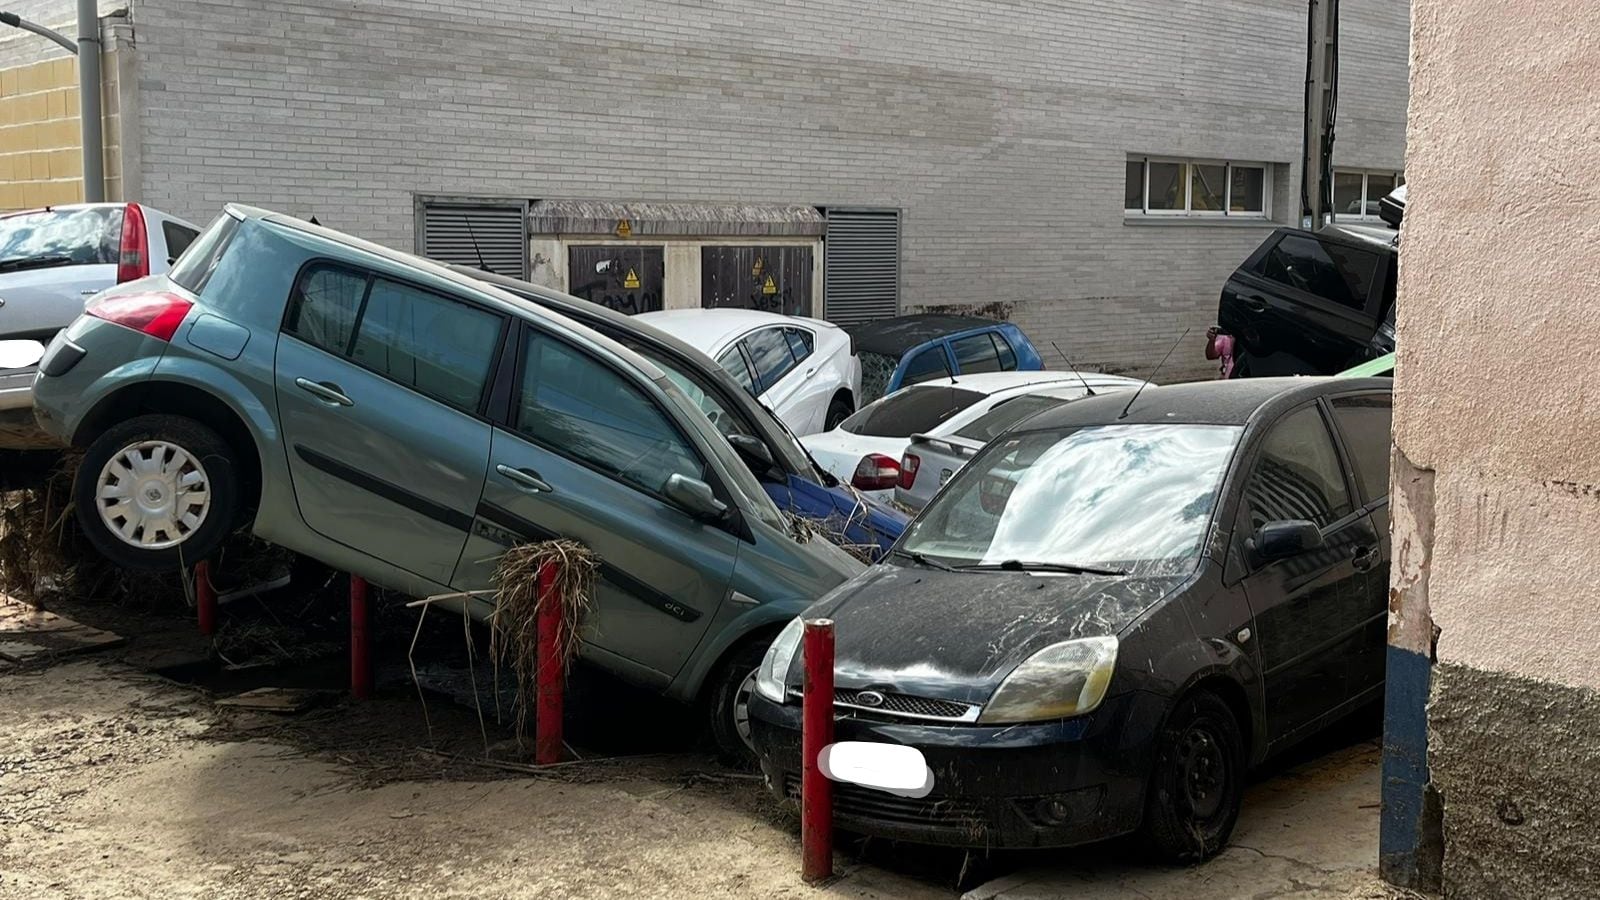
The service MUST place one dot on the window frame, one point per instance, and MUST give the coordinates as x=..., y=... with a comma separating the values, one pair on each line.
x=750, y=355
x=1258, y=261
x=1352, y=474
x=487, y=394
x=999, y=363
x=1186, y=167
x=1243, y=511
x=523, y=331
x=904, y=369
x=1366, y=192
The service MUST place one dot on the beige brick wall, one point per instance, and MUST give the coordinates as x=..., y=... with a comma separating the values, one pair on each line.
x=41, y=160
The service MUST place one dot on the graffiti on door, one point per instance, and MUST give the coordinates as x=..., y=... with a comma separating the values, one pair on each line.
x=774, y=278
x=627, y=278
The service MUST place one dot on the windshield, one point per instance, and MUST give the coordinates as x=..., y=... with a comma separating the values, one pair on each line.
x=61, y=237
x=913, y=410
x=1128, y=497
x=876, y=372
x=754, y=500
x=989, y=426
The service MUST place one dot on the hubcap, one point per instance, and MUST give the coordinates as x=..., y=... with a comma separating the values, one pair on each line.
x=741, y=709
x=153, y=495
x=1202, y=772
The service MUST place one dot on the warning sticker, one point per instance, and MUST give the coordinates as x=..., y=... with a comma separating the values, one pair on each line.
x=769, y=288
x=759, y=267
x=632, y=281
x=624, y=229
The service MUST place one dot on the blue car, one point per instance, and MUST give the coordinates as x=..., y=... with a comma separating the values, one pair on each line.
x=868, y=528
x=909, y=349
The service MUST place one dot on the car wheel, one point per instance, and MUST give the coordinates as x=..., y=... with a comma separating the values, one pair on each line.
x=1193, y=799
x=157, y=493
x=839, y=410
x=729, y=708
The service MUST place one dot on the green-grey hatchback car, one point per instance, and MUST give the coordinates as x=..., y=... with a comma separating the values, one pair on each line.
x=403, y=422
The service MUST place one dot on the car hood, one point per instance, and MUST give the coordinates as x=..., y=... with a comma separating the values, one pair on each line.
x=956, y=635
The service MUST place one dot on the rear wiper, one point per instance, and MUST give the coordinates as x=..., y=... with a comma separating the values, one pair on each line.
x=1017, y=565
x=921, y=560
x=34, y=262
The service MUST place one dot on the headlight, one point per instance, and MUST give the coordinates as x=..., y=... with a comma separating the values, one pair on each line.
x=1065, y=679
x=775, y=665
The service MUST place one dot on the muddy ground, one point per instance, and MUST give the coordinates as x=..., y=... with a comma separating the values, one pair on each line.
x=121, y=776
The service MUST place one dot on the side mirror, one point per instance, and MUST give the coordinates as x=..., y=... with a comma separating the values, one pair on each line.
x=20, y=354
x=757, y=456
x=695, y=497
x=1286, y=538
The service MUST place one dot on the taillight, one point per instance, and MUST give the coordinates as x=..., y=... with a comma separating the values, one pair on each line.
x=133, y=258
x=876, y=472
x=909, y=464
x=157, y=315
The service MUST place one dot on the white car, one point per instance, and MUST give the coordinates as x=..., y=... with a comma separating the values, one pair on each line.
x=51, y=262
x=804, y=370
x=866, y=449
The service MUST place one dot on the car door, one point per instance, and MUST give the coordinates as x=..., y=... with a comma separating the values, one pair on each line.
x=381, y=389
x=583, y=453
x=1302, y=305
x=978, y=353
x=926, y=364
x=1364, y=422
x=1309, y=609
x=779, y=377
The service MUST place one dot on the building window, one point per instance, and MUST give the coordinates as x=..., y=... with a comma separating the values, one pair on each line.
x=1196, y=187
x=1356, y=192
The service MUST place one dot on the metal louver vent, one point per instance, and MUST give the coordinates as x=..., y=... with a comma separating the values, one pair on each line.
x=861, y=265
x=485, y=236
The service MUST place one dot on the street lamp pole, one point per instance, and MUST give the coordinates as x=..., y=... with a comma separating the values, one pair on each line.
x=94, y=156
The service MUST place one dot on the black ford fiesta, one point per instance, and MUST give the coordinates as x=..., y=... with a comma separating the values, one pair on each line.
x=1110, y=615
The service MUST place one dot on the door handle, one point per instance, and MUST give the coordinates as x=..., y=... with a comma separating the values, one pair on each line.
x=326, y=391
x=1366, y=559
x=1255, y=304
x=526, y=479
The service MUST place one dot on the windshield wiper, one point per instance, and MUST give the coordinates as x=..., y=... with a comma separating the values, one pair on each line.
x=34, y=262
x=1017, y=565
x=921, y=560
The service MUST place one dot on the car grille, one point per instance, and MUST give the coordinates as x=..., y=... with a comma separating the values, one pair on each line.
x=865, y=803
x=906, y=705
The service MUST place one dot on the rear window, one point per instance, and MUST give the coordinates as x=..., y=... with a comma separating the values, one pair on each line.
x=60, y=237
x=194, y=267
x=990, y=425
x=876, y=370
x=910, y=411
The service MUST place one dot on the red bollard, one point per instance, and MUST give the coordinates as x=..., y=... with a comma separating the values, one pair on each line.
x=551, y=674
x=205, y=598
x=360, y=659
x=816, y=732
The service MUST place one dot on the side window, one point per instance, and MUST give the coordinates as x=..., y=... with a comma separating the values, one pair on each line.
x=977, y=354
x=732, y=360
x=769, y=351
x=1364, y=422
x=1339, y=274
x=801, y=343
x=1297, y=474
x=324, y=307
x=438, y=346
x=1008, y=355
x=579, y=407
x=178, y=239
x=927, y=365
x=695, y=387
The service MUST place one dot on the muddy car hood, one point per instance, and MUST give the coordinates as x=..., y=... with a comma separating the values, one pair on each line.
x=955, y=636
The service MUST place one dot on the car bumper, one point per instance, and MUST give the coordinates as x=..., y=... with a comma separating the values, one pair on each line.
x=18, y=428
x=1051, y=784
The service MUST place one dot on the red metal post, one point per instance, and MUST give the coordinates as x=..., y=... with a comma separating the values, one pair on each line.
x=360, y=640
x=205, y=598
x=551, y=677
x=816, y=732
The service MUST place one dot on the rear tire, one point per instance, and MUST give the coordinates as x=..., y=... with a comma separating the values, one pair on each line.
x=1196, y=786
x=839, y=410
x=728, y=704
x=157, y=493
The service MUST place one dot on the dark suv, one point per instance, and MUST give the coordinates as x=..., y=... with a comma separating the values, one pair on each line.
x=1308, y=303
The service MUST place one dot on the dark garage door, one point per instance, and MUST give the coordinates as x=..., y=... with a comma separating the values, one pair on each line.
x=626, y=278
x=772, y=279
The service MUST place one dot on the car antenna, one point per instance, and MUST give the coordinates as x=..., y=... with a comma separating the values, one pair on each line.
x=474, y=239
x=1153, y=374
x=1087, y=391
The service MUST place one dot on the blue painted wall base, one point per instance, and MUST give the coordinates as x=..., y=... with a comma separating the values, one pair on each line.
x=1410, y=840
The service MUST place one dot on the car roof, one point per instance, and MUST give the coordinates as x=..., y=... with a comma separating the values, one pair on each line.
x=714, y=327
x=893, y=337
x=995, y=382
x=1223, y=402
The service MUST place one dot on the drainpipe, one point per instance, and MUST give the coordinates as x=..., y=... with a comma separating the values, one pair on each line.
x=94, y=154
x=16, y=21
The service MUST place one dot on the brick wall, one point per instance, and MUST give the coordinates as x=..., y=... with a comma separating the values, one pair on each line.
x=1000, y=128
x=41, y=160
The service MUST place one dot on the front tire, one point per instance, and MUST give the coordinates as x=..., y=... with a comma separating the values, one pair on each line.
x=157, y=493
x=729, y=704
x=1198, y=781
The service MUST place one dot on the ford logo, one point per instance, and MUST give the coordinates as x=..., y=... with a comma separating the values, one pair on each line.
x=869, y=698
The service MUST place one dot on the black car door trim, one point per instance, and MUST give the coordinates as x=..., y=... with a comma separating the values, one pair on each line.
x=391, y=492
x=507, y=520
